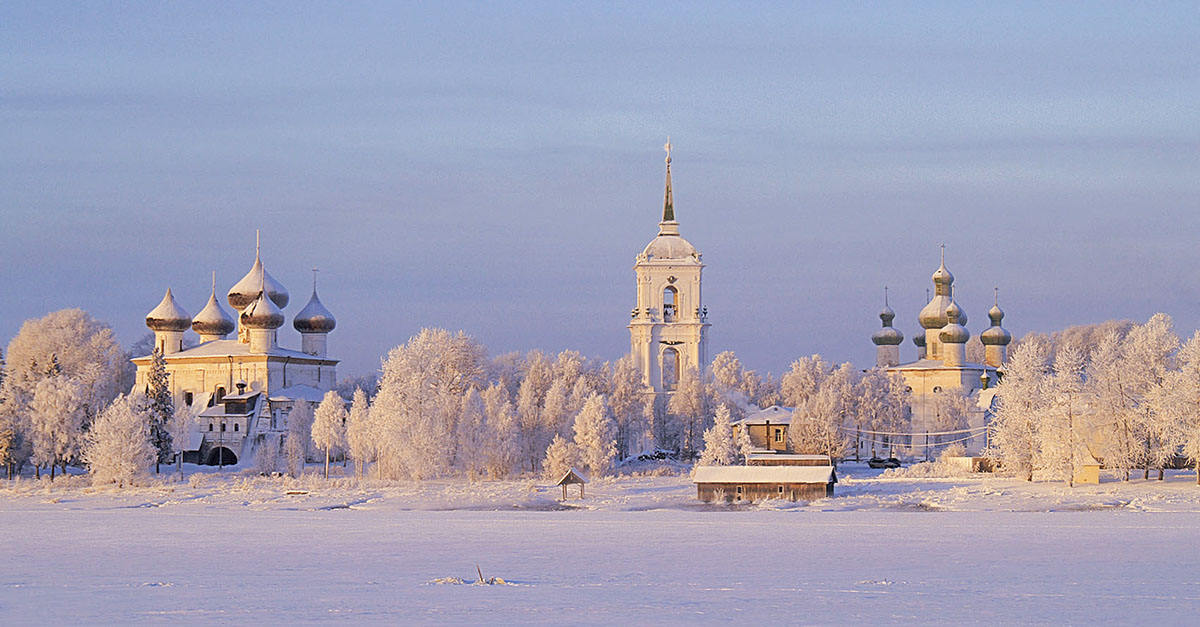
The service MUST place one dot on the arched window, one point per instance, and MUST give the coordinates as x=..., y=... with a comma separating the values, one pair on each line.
x=235, y=426
x=187, y=398
x=670, y=369
x=220, y=394
x=670, y=303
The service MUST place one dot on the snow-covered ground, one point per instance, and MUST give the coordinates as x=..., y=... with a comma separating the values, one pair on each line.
x=240, y=549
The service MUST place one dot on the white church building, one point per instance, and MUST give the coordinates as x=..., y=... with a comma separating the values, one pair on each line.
x=242, y=388
x=941, y=363
x=668, y=329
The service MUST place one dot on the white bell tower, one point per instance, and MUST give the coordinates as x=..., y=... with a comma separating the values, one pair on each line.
x=669, y=327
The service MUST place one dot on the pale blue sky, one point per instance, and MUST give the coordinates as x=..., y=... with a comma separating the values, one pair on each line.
x=496, y=167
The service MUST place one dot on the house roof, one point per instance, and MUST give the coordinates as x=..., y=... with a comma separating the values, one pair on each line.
x=573, y=476
x=234, y=348
x=306, y=392
x=763, y=474
x=757, y=455
x=774, y=414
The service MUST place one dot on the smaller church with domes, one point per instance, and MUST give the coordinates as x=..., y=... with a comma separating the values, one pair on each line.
x=941, y=363
x=242, y=388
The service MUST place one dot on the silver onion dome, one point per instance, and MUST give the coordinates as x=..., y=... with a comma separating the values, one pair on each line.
x=212, y=320
x=314, y=318
x=888, y=335
x=168, y=315
x=262, y=313
x=257, y=280
x=996, y=335
x=953, y=332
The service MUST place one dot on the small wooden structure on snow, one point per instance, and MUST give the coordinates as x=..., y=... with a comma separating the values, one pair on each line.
x=786, y=459
x=573, y=476
x=756, y=483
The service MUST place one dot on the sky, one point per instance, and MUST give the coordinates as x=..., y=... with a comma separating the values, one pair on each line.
x=496, y=167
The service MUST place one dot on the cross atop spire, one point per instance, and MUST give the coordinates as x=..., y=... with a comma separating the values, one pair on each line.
x=943, y=255
x=315, y=271
x=668, y=199
x=885, y=296
x=257, y=243
x=997, y=303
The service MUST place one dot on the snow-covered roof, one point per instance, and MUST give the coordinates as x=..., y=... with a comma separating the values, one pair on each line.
x=786, y=456
x=295, y=392
x=774, y=414
x=234, y=348
x=219, y=409
x=573, y=476
x=763, y=474
x=937, y=364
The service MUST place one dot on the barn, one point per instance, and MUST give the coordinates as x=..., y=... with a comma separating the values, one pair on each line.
x=757, y=483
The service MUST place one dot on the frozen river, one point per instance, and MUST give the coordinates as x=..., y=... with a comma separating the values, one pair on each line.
x=110, y=561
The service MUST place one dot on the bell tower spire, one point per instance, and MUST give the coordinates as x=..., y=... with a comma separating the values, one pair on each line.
x=668, y=200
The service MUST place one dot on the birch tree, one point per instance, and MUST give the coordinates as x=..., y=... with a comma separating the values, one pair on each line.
x=329, y=425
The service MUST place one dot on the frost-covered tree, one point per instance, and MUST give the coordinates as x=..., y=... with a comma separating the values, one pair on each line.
x=628, y=400
x=1150, y=349
x=1115, y=395
x=471, y=436
x=596, y=436
x=1059, y=445
x=950, y=410
x=183, y=422
x=1021, y=403
x=504, y=451
x=720, y=449
x=66, y=343
x=561, y=456
x=299, y=432
x=557, y=414
x=57, y=415
x=329, y=425
x=419, y=398
x=818, y=422
x=803, y=380
x=118, y=447
x=162, y=407
x=881, y=405
x=1176, y=402
x=358, y=431
x=691, y=405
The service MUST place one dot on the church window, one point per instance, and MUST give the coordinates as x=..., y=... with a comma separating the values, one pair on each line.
x=219, y=395
x=235, y=426
x=670, y=303
x=210, y=426
x=187, y=398
x=670, y=369
x=937, y=388
x=222, y=427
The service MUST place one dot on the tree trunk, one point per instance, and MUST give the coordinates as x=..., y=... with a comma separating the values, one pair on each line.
x=52, y=471
x=326, y=462
x=1160, y=474
x=37, y=471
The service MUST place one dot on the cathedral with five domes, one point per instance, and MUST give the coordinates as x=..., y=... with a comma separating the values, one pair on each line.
x=244, y=387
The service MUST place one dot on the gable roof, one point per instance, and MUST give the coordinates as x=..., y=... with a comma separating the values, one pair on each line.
x=764, y=474
x=573, y=476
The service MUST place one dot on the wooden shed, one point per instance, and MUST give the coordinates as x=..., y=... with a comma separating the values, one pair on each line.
x=571, y=478
x=757, y=483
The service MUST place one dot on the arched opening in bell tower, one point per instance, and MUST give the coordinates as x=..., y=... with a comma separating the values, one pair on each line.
x=670, y=303
x=670, y=369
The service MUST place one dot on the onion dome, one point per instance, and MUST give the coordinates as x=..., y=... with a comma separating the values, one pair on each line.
x=257, y=280
x=212, y=320
x=888, y=335
x=919, y=340
x=314, y=318
x=262, y=313
x=933, y=315
x=996, y=335
x=168, y=315
x=953, y=332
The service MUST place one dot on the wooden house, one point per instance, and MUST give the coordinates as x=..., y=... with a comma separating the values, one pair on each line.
x=757, y=483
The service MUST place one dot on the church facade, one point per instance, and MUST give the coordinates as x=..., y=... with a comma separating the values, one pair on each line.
x=241, y=388
x=668, y=328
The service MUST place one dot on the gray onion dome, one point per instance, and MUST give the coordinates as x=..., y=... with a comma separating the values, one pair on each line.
x=257, y=280
x=953, y=332
x=996, y=335
x=888, y=335
x=919, y=340
x=212, y=320
x=262, y=313
x=168, y=315
x=314, y=318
